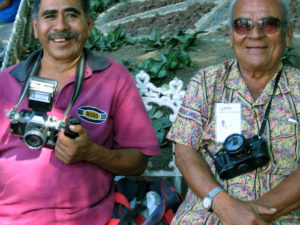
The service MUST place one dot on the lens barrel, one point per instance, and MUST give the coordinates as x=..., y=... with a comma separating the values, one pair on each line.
x=35, y=138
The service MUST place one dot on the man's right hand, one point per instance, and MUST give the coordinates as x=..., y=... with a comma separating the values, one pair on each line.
x=235, y=212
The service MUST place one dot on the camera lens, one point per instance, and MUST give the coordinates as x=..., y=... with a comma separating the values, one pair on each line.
x=235, y=145
x=35, y=138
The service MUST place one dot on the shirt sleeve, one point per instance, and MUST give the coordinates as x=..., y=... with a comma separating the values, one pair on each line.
x=132, y=125
x=192, y=116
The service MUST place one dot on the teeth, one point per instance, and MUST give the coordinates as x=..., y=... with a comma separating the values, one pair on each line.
x=59, y=39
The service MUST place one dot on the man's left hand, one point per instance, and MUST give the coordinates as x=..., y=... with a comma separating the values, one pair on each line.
x=74, y=150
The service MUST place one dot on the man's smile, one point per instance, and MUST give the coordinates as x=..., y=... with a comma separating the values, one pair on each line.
x=60, y=37
x=59, y=40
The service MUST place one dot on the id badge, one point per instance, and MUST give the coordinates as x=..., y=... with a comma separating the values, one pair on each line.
x=228, y=120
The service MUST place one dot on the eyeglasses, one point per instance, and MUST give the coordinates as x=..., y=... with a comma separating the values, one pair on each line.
x=269, y=25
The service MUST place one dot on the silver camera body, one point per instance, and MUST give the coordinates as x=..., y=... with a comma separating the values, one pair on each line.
x=36, y=128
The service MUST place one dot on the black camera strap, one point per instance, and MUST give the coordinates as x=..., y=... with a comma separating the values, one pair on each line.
x=80, y=74
x=33, y=72
x=263, y=125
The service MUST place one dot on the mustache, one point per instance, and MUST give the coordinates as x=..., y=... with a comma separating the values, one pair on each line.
x=65, y=34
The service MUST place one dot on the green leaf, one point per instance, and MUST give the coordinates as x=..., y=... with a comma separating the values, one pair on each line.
x=162, y=73
x=153, y=42
x=183, y=40
x=158, y=115
x=156, y=67
x=162, y=57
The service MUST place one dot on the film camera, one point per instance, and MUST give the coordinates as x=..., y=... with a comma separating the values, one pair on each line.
x=240, y=155
x=36, y=128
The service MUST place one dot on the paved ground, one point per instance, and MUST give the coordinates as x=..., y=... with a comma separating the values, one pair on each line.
x=5, y=31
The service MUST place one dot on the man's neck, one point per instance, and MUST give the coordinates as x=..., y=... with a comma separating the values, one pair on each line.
x=257, y=81
x=61, y=71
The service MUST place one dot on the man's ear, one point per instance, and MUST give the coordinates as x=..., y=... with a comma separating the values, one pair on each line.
x=90, y=24
x=230, y=34
x=34, y=25
x=289, y=35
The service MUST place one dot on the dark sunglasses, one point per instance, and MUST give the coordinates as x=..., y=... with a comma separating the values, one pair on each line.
x=269, y=25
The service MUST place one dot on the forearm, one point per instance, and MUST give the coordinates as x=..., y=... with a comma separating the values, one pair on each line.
x=195, y=171
x=118, y=161
x=285, y=197
x=83, y=149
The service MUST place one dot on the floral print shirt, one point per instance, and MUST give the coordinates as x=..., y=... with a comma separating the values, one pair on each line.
x=195, y=126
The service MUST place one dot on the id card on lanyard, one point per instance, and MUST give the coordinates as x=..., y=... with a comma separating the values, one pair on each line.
x=228, y=120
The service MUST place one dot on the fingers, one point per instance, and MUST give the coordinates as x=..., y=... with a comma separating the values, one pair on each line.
x=266, y=210
x=74, y=150
x=244, y=213
x=261, y=209
x=76, y=128
x=263, y=213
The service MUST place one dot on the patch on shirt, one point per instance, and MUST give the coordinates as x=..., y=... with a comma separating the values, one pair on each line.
x=92, y=114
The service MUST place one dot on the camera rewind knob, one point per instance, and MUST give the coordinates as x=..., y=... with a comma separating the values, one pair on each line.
x=68, y=132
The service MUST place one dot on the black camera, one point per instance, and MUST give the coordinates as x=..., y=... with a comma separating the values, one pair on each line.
x=36, y=128
x=240, y=155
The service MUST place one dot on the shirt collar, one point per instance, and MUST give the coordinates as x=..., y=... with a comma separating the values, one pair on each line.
x=234, y=80
x=20, y=71
x=233, y=77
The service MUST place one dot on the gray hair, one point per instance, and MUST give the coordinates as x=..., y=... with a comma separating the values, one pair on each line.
x=285, y=9
x=36, y=7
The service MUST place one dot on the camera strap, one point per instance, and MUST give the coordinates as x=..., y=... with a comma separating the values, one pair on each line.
x=33, y=72
x=80, y=74
x=263, y=125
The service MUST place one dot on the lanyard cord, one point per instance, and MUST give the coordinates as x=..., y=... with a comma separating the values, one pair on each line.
x=263, y=125
x=80, y=74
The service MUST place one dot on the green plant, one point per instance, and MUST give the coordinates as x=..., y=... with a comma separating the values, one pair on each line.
x=161, y=125
x=289, y=57
x=159, y=68
x=178, y=59
x=111, y=42
x=29, y=48
x=94, y=39
x=154, y=41
x=99, y=6
x=128, y=63
x=183, y=40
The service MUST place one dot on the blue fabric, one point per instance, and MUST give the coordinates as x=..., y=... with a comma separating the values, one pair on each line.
x=9, y=14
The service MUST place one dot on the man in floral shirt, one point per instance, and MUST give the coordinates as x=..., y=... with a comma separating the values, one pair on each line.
x=232, y=98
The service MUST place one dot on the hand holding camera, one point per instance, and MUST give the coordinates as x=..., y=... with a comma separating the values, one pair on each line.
x=68, y=132
x=36, y=128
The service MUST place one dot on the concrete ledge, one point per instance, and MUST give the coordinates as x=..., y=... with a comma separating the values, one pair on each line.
x=107, y=26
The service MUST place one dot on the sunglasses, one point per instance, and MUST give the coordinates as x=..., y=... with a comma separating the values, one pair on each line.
x=269, y=25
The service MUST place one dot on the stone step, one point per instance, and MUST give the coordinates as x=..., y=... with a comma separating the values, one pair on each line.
x=213, y=22
x=105, y=24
